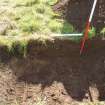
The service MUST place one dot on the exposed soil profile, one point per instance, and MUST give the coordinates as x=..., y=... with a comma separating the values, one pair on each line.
x=56, y=73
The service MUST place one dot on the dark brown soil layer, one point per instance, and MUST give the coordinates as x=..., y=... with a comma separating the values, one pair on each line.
x=57, y=73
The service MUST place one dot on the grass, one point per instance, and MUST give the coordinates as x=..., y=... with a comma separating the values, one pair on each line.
x=18, y=44
x=92, y=32
x=33, y=16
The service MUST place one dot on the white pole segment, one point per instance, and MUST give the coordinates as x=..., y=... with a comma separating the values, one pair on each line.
x=93, y=9
x=67, y=35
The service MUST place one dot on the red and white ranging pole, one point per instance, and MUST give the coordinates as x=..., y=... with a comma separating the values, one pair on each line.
x=88, y=26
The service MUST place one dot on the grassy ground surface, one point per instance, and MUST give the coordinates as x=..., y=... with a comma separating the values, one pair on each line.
x=21, y=21
x=31, y=16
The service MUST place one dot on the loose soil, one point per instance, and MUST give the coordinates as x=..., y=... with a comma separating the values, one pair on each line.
x=55, y=74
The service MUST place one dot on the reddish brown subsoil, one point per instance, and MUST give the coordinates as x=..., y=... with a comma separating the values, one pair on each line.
x=57, y=73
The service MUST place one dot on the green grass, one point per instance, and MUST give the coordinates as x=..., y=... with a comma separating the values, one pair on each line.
x=17, y=45
x=33, y=16
x=92, y=32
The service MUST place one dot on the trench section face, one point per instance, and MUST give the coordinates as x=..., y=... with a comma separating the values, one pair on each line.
x=60, y=73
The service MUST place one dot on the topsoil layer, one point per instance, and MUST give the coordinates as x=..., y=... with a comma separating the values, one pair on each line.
x=56, y=73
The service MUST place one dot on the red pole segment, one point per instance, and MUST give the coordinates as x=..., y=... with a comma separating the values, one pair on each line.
x=85, y=37
x=88, y=26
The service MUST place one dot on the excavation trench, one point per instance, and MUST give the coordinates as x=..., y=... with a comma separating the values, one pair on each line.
x=55, y=71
